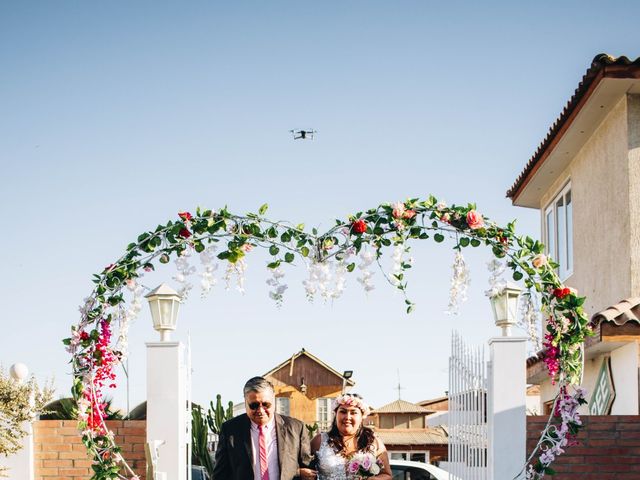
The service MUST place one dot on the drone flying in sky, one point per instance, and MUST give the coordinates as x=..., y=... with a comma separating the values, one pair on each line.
x=303, y=134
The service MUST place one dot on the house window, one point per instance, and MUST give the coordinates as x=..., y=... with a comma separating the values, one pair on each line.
x=386, y=421
x=402, y=420
x=282, y=405
x=558, y=231
x=323, y=415
x=417, y=421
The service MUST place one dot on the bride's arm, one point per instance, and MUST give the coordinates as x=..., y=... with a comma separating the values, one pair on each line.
x=385, y=469
x=383, y=456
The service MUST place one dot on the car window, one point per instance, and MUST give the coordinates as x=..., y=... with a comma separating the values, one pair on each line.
x=410, y=473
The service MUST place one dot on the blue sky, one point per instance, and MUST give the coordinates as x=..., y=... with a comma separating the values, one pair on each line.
x=116, y=116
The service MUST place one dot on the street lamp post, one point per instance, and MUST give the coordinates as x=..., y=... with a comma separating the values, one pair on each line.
x=506, y=413
x=346, y=375
x=166, y=390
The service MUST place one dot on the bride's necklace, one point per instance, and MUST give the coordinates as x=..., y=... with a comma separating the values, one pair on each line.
x=349, y=445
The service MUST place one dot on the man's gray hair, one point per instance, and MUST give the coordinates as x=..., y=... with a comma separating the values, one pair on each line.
x=258, y=384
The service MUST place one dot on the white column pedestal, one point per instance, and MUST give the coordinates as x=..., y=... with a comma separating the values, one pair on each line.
x=167, y=405
x=506, y=414
x=20, y=464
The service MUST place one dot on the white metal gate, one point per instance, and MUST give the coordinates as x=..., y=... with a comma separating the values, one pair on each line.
x=467, y=411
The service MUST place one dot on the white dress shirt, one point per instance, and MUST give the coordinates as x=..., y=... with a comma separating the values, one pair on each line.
x=272, y=450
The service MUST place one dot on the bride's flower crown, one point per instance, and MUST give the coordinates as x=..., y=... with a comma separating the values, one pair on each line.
x=351, y=400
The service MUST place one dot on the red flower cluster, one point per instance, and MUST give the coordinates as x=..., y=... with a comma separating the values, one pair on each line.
x=359, y=226
x=185, y=216
x=185, y=233
x=551, y=354
x=502, y=238
x=560, y=293
x=104, y=361
x=105, y=358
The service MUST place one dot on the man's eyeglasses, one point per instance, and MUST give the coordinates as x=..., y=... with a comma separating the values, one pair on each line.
x=257, y=405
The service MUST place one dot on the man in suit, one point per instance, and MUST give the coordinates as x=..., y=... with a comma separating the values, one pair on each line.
x=261, y=444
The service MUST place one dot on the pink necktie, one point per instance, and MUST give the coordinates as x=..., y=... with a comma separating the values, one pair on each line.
x=264, y=465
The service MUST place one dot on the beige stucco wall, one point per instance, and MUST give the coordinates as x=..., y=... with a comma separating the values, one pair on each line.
x=624, y=372
x=633, y=122
x=599, y=176
x=605, y=185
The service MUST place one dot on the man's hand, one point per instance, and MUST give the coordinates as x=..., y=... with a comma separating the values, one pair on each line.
x=307, y=474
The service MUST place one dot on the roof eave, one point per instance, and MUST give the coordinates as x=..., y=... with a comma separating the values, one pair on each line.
x=348, y=381
x=602, y=67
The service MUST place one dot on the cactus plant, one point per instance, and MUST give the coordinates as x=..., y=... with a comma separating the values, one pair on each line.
x=202, y=425
x=217, y=415
x=200, y=439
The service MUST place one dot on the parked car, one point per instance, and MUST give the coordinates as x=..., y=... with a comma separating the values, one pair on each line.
x=407, y=470
x=199, y=473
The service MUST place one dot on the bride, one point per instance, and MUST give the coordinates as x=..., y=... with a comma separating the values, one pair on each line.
x=337, y=450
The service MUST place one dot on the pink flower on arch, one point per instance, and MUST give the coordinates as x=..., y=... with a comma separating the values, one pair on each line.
x=539, y=260
x=408, y=214
x=398, y=210
x=474, y=220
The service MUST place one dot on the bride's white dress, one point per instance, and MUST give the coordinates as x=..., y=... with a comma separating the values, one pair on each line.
x=333, y=466
x=330, y=465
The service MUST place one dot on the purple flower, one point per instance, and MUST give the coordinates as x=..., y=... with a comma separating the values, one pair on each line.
x=353, y=467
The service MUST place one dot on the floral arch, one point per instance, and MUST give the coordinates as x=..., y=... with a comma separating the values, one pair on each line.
x=360, y=240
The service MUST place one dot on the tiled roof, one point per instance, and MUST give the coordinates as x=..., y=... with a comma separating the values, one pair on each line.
x=433, y=400
x=535, y=358
x=402, y=406
x=603, y=65
x=423, y=436
x=627, y=310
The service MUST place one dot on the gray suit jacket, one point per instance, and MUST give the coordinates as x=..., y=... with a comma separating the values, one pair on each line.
x=234, y=459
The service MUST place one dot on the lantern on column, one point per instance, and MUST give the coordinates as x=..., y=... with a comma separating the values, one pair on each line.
x=164, y=303
x=505, y=308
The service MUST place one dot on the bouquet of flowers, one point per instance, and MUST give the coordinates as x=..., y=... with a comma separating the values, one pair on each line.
x=363, y=465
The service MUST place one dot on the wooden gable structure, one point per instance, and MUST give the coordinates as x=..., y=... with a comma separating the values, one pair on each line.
x=305, y=387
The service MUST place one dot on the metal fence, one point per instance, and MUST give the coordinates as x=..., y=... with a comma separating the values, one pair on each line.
x=467, y=411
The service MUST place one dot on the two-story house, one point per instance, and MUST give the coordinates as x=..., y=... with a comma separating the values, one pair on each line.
x=403, y=428
x=585, y=180
x=305, y=386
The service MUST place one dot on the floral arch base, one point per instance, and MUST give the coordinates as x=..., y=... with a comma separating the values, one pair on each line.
x=359, y=241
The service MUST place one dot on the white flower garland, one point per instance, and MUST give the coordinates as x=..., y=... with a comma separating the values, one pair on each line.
x=459, y=284
x=367, y=257
x=209, y=266
x=278, y=288
x=184, y=270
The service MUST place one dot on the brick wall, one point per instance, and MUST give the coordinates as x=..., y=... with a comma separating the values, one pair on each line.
x=60, y=455
x=609, y=448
